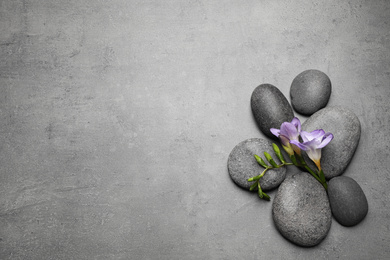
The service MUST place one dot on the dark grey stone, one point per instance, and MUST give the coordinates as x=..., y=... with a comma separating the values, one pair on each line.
x=310, y=91
x=270, y=108
x=347, y=200
x=242, y=164
x=301, y=210
x=346, y=129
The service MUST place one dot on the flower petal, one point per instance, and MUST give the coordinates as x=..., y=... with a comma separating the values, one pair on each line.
x=327, y=138
x=300, y=145
x=284, y=140
x=306, y=136
x=313, y=144
x=317, y=133
x=296, y=123
x=275, y=131
x=311, y=149
x=314, y=155
x=289, y=130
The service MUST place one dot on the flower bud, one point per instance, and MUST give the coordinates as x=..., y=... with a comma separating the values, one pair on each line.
x=278, y=153
x=260, y=161
x=270, y=160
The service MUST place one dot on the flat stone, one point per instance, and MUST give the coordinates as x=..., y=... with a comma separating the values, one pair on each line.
x=310, y=91
x=301, y=210
x=347, y=200
x=270, y=108
x=346, y=129
x=242, y=164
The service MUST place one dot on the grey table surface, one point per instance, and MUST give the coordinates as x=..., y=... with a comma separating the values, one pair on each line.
x=117, y=119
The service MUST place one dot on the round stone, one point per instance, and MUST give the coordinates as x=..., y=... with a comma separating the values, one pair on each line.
x=347, y=200
x=310, y=91
x=346, y=129
x=270, y=108
x=242, y=164
x=301, y=210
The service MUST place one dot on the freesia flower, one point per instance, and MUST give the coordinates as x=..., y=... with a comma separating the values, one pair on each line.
x=313, y=143
x=287, y=133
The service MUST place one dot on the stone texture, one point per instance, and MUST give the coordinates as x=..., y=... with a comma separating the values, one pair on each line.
x=242, y=165
x=347, y=200
x=117, y=118
x=346, y=129
x=270, y=108
x=310, y=91
x=301, y=210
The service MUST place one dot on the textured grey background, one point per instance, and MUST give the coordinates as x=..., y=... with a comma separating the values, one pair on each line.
x=117, y=119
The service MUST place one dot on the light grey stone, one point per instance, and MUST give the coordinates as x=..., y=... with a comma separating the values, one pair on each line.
x=301, y=210
x=310, y=91
x=346, y=129
x=270, y=108
x=242, y=164
x=347, y=200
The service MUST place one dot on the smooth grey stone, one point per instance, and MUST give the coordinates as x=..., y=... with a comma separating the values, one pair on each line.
x=347, y=200
x=270, y=108
x=346, y=129
x=242, y=164
x=301, y=210
x=310, y=91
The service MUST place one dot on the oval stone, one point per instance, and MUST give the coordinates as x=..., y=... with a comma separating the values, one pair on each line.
x=346, y=129
x=310, y=91
x=242, y=164
x=347, y=200
x=270, y=108
x=301, y=210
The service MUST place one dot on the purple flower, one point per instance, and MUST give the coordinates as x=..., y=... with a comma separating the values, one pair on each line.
x=287, y=133
x=313, y=143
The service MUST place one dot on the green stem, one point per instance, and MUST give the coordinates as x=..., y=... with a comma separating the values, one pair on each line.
x=303, y=164
x=268, y=168
x=316, y=176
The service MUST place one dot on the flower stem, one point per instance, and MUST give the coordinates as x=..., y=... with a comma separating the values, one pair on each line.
x=268, y=168
x=312, y=173
x=257, y=178
x=323, y=182
x=304, y=165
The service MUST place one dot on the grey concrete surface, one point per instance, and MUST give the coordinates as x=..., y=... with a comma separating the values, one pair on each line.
x=117, y=119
